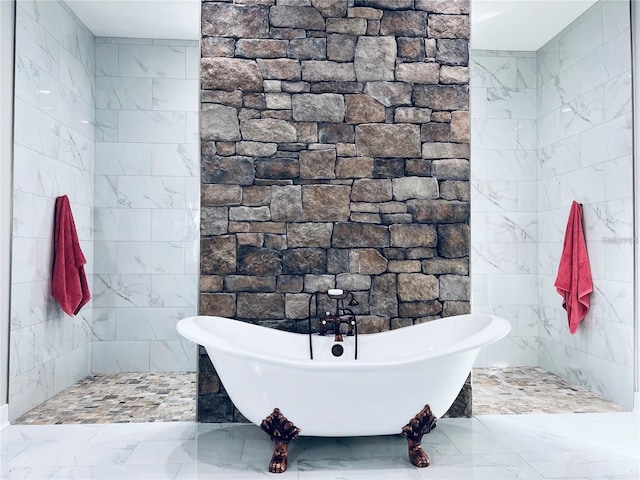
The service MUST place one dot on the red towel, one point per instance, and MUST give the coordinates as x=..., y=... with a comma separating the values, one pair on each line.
x=574, y=274
x=69, y=282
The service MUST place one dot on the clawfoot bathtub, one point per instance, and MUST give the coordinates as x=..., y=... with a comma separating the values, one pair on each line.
x=395, y=374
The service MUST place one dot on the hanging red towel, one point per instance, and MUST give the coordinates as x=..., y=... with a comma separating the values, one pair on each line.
x=574, y=274
x=69, y=282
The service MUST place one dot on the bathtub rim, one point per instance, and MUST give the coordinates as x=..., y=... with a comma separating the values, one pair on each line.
x=497, y=329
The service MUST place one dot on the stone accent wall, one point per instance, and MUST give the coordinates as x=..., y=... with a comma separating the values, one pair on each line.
x=335, y=153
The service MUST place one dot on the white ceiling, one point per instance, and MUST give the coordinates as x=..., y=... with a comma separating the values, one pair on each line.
x=521, y=24
x=496, y=24
x=166, y=19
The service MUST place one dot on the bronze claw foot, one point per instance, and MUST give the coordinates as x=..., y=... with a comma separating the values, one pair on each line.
x=281, y=431
x=423, y=422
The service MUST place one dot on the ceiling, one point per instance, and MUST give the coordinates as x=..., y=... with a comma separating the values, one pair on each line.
x=521, y=24
x=166, y=19
x=496, y=24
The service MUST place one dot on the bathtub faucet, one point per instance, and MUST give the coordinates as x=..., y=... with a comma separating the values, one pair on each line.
x=341, y=315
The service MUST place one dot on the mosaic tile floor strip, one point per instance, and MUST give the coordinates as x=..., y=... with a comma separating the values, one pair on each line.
x=170, y=397
x=120, y=398
x=519, y=390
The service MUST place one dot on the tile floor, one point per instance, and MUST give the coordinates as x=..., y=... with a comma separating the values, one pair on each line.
x=589, y=446
x=169, y=397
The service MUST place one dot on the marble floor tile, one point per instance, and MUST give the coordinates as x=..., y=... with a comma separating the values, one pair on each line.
x=589, y=446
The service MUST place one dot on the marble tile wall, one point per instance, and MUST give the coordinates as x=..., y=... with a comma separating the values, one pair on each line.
x=585, y=150
x=53, y=155
x=504, y=217
x=550, y=127
x=147, y=199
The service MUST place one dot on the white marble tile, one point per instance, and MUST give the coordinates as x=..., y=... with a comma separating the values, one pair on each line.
x=527, y=72
x=151, y=192
x=527, y=196
x=86, y=46
x=584, y=37
x=30, y=389
x=175, y=225
x=513, y=351
x=172, y=356
x=494, y=134
x=103, y=325
x=512, y=289
x=117, y=93
x=165, y=451
x=176, y=159
x=150, y=323
x=31, y=473
x=121, y=290
x=616, y=253
x=192, y=196
x=22, y=351
x=193, y=127
x=605, y=63
x=123, y=158
x=176, y=94
x=71, y=367
x=511, y=103
x=518, y=227
x=36, y=43
x=122, y=224
x=192, y=62
x=151, y=61
x=52, y=339
x=76, y=149
x=608, y=141
x=618, y=178
x=615, y=19
x=151, y=127
x=607, y=220
x=494, y=196
x=106, y=126
x=150, y=257
x=129, y=472
x=32, y=215
x=192, y=258
x=231, y=470
x=29, y=303
x=106, y=191
x=478, y=102
x=73, y=454
x=549, y=128
x=582, y=114
x=494, y=72
x=25, y=267
x=617, y=96
x=144, y=432
x=75, y=76
x=120, y=356
x=174, y=290
x=106, y=60
x=125, y=40
x=584, y=186
x=36, y=130
x=494, y=257
x=527, y=135
x=560, y=157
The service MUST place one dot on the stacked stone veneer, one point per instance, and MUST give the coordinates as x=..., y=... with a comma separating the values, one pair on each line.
x=335, y=147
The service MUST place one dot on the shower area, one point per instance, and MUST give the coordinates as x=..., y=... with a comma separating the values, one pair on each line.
x=113, y=122
x=552, y=123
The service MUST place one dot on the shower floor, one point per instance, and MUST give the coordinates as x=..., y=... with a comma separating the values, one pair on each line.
x=120, y=398
x=170, y=397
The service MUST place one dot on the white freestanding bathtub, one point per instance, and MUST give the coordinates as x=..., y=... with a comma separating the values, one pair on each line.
x=395, y=374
